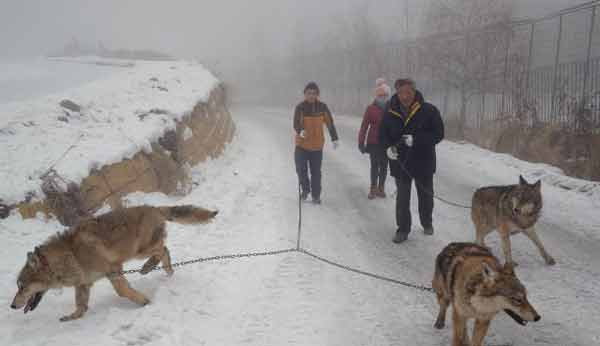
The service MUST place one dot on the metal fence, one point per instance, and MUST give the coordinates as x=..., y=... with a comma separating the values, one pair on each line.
x=535, y=71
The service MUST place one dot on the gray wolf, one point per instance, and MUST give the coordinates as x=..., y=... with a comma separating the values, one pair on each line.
x=468, y=277
x=510, y=210
x=97, y=248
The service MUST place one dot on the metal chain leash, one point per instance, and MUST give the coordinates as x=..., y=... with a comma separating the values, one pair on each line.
x=297, y=249
x=211, y=259
x=365, y=273
x=428, y=191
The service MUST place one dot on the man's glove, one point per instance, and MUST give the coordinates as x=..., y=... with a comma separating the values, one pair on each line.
x=409, y=140
x=361, y=148
x=302, y=134
x=335, y=145
x=392, y=153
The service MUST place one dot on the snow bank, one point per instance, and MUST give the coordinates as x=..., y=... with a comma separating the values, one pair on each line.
x=120, y=115
x=553, y=176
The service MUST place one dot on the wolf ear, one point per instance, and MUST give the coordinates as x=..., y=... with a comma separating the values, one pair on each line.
x=509, y=268
x=538, y=185
x=489, y=274
x=522, y=180
x=32, y=260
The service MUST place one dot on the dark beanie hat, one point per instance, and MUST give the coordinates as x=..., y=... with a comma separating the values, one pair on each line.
x=312, y=86
x=404, y=81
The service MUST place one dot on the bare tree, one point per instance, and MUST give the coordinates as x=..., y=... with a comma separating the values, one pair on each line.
x=464, y=46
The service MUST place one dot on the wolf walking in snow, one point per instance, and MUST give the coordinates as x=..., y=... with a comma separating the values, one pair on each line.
x=468, y=277
x=98, y=248
x=510, y=210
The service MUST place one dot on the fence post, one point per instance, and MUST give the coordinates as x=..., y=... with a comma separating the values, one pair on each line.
x=586, y=90
x=505, y=74
x=556, y=63
x=529, y=59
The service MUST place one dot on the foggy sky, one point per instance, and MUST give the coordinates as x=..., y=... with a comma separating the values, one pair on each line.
x=193, y=28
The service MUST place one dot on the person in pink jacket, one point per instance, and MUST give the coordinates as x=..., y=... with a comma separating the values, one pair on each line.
x=368, y=141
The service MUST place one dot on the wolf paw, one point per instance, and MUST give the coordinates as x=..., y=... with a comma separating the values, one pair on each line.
x=169, y=271
x=439, y=324
x=70, y=317
x=76, y=315
x=147, y=268
x=550, y=261
x=513, y=264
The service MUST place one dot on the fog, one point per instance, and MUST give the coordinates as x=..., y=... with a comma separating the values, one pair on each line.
x=213, y=30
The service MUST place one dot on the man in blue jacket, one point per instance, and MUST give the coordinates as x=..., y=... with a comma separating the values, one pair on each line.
x=410, y=130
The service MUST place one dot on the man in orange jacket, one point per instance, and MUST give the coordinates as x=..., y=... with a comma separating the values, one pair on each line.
x=310, y=117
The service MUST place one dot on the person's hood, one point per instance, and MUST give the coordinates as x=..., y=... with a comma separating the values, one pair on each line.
x=398, y=107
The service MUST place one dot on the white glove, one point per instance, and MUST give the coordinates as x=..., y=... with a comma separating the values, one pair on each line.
x=336, y=144
x=408, y=140
x=302, y=134
x=392, y=153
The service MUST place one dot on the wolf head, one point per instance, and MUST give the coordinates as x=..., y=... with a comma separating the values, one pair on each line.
x=34, y=280
x=500, y=289
x=526, y=202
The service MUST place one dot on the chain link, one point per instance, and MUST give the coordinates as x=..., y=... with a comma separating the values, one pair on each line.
x=365, y=273
x=210, y=259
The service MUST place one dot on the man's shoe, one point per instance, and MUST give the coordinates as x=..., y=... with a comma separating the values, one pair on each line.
x=428, y=230
x=303, y=196
x=316, y=201
x=400, y=237
x=373, y=192
x=381, y=192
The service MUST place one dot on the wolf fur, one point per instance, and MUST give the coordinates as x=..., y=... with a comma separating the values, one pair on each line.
x=468, y=277
x=98, y=248
x=509, y=210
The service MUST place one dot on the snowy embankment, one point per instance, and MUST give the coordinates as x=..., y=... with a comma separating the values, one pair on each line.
x=120, y=115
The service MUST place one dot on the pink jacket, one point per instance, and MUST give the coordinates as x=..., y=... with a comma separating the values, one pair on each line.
x=370, y=125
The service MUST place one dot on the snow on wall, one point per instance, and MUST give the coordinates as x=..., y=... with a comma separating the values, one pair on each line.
x=120, y=115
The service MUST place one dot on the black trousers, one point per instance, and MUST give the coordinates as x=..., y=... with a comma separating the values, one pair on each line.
x=379, y=164
x=424, y=187
x=309, y=160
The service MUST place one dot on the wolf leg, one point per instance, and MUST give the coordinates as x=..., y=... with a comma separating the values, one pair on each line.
x=150, y=264
x=121, y=286
x=459, y=337
x=440, y=323
x=82, y=297
x=480, y=331
x=480, y=236
x=166, y=261
x=531, y=234
x=506, y=247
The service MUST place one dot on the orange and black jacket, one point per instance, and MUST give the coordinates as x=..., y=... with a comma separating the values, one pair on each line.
x=311, y=117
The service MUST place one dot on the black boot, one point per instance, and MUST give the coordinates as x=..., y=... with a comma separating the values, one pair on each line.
x=400, y=237
x=428, y=230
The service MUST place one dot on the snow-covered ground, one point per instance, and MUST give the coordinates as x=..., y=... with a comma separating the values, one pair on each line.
x=31, y=78
x=122, y=113
x=291, y=299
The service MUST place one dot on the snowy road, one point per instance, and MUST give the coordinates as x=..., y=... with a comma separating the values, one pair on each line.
x=293, y=300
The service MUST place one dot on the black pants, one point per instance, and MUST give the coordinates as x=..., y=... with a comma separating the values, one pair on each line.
x=306, y=159
x=424, y=187
x=379, y=164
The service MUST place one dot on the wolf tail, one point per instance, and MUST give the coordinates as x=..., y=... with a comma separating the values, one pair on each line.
x=188, y=214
